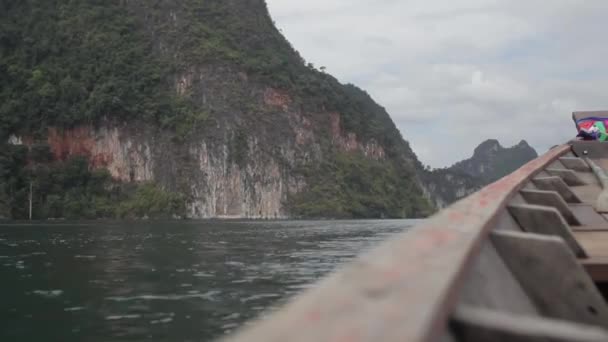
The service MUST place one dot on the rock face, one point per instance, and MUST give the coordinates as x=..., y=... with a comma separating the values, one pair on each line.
x=445, y=186
x=490, y=162
x=206, y=99
x=220, y=183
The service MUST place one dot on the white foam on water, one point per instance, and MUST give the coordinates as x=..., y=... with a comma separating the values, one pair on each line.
x=75, y=308
x=235, y=315
x=230, y=325
x=162, y=321
x=234, y=263
x=259, y=296
x=207, y=295
x=119, y=317
x=90, y=257
x=48, y=293
x=202, y=275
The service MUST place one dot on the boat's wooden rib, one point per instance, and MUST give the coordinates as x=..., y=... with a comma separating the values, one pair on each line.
x=556, y=184
x=547, y=221
x=551, y=199
x=587, y=193
x=575, y=163
x=483, y=325
x=570, y=177
x=539, y=263
x=589, y=219
x=524, y=259
x=490, y=275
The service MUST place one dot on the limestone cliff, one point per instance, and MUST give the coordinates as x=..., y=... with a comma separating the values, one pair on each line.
x=206, y=99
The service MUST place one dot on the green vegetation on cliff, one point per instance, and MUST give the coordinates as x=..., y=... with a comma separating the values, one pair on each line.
x=70, y=190
x=352, y=186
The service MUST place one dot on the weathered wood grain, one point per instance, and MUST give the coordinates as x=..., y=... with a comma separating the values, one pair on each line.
x=551, y=199
x=587, y=193
x=570, y=177
x=552, y=277
x=596, y=245
x=490, y=284
x=575, y=163
x=590, y=149
x=556, y=184
x=546, y=221
x=588, y=217
x=482, y=325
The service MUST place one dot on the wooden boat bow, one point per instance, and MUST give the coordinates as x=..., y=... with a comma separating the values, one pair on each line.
x=512, y=262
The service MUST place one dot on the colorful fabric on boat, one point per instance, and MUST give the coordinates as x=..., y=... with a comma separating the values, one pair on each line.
x=593, y=129
x=602, y=128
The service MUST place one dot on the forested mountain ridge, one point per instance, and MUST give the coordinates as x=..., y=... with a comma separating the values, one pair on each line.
x=193, y=109
x=490, y=162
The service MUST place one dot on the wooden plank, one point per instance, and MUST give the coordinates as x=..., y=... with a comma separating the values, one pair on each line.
x=570, y=177
x=585, y=114
x=590, y=149
x=506, y=222
x=480, y=325
x=595, y=243
x=406, y=289
x=587, y=193
x=556, y=164
x=597, y=268
x=551, y=199
x=552, y=277
x=588, y=217
x=546, y=221
x=587, y=177
x=490, y=276
x=574, y=163
x=556, y=184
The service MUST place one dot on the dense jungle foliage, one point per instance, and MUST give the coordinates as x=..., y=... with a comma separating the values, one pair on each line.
x=68, y=189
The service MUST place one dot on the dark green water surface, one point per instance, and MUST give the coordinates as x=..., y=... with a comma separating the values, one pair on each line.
x=171, y=281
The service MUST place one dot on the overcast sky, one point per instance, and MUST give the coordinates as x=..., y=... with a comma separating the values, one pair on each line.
x=452, y=73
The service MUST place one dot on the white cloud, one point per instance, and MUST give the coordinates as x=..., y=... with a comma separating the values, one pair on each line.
x=455, y=72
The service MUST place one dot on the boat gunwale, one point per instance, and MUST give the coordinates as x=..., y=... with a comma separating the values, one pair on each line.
x=365, y=300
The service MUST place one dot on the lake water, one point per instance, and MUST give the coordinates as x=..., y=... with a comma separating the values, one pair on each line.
x=171, y=281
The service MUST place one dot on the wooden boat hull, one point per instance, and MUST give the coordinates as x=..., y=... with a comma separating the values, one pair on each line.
x=524, y=259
